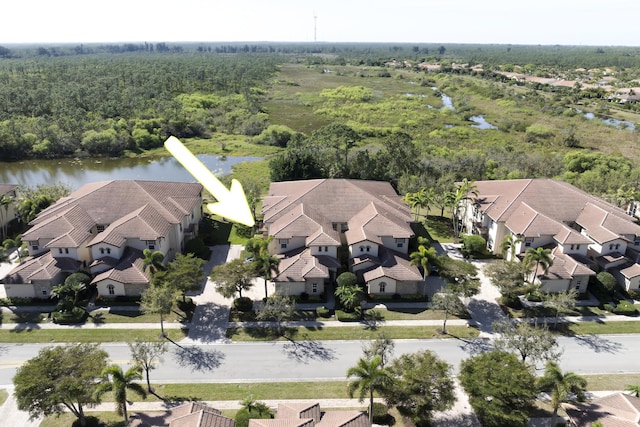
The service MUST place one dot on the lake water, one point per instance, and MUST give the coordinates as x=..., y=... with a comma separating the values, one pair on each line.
x=481, y=123
x=620, y=124
x=77, y=172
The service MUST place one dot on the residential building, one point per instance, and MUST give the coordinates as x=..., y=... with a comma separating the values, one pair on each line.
x=323, y=226
x=300, y=414
x=584, y=233
x=614, y=410
x=103, y=229
x=193, y=414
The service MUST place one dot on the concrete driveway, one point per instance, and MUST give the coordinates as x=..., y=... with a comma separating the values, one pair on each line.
x=11, y=416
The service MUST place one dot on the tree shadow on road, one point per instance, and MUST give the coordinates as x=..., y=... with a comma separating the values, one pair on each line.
x=198, y=359
x=474, y=346
x=307, y=350
x=209, y=323
x=598, y=344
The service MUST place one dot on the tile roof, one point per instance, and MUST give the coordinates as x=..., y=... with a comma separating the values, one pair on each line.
x=66, y=228
x=5, y=188
x=555, y=199
x=604, y=226
x=338, y=199
x=192, y=414
x=374, y=222
x=528, y=222
x=106, y=202
x=631, y=271
x=299, y=265
x=566, y=266
x=394, y=266
x=129, y=269
x=41, y=267
x=144, y=223
x=614, y=410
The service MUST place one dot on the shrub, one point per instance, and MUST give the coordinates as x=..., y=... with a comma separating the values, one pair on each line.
x=609, y=307
x=198, y=248
x=474, y=246
x=76, y=315
x=396, y=296
x=243, y=416
x=625, y=308
x=634, y=294
x=304, y=296
x=243, y=304
x=381, y=414
x=607, y=281
x=346, y=279
x=511, y=300
x=323, y=312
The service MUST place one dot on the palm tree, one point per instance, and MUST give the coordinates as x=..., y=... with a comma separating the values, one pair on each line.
x=114, y=380
x=509, y=244
x=457, y=201
x=424, y=258
x=369, y=377
x=267, y=265
x=634, y=389
x=349, y=296
x=153, y=260
x=536, y=258
x=562, y=386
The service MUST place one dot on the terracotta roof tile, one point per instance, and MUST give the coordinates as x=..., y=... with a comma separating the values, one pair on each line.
x=615, y=410
x=394, y=266
x=129, y=269
x=41, y=267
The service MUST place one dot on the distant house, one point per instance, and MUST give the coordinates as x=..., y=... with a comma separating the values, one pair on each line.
x=103, y=228
x=615, y=410
x=321, y=226
x=8, y=211
x=585, y=234
x=309, y=415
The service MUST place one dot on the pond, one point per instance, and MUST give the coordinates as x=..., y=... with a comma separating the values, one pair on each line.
x=620, y=124
x=481, y=123
x=77, y=172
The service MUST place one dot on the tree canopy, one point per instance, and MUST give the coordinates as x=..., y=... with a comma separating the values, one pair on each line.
x=60, y=378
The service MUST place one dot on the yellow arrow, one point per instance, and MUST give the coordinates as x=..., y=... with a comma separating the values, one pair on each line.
x=231, y=204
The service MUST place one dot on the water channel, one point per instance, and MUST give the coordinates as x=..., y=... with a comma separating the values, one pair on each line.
x=77, y=172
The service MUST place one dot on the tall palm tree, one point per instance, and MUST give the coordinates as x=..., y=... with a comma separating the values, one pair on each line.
x=457, y=201
x=536, y=258
x=118, y=382
x=508, y=246
x=153, y=260
x=562, y=386
x=369, y=376
x=267, y=266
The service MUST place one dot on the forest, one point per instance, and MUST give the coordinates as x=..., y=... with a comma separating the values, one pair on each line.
x=333, y=110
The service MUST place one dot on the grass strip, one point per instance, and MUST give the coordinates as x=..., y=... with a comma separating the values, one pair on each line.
x=25, y=336
x=4, y=394
x=350, y=333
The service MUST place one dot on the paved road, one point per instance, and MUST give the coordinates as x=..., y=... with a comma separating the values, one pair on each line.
x=329, y=360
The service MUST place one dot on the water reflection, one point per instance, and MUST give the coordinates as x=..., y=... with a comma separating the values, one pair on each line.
x=77, y=172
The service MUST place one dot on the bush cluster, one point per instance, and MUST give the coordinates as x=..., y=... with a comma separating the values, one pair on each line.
x=243, y=304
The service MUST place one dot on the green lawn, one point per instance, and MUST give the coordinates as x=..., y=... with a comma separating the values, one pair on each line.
x=351, y=333
x=3, y=396
x=55, y=336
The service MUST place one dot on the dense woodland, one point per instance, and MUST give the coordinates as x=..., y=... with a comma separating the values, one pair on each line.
x=332, y=110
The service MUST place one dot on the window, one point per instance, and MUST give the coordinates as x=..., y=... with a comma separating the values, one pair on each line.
x=617, y=246
x=383, y=287
x=102, y=251
x=59, y=250
x=326, y=248
x=528, y=241
x=344, y=227
x=111, y=289
x=334, y=226
x=399, y=243
x=573, y=247
x=283, y=243
x=314, y=288
x=100, y=228
x=44, y=292
x=34, y=245
x=368, y=248
x=578, y=247
x=361, y=248
x=151, y=244
x=108, y=250
x=319, y=248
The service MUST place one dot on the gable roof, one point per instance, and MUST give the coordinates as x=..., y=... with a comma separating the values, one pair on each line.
x=338, y=199
x=393, y=265
x=374, y=222
x=193, y=414
x=40, y=267
x=556, y=199
x=614, y=410
x=128, y=270
x=299, y=265
x=5, y=188
x=604, y=226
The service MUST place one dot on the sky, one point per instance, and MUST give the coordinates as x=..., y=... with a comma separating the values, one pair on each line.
x=544, y=22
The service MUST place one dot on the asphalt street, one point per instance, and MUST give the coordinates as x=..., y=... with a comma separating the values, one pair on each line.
x=329, y=360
